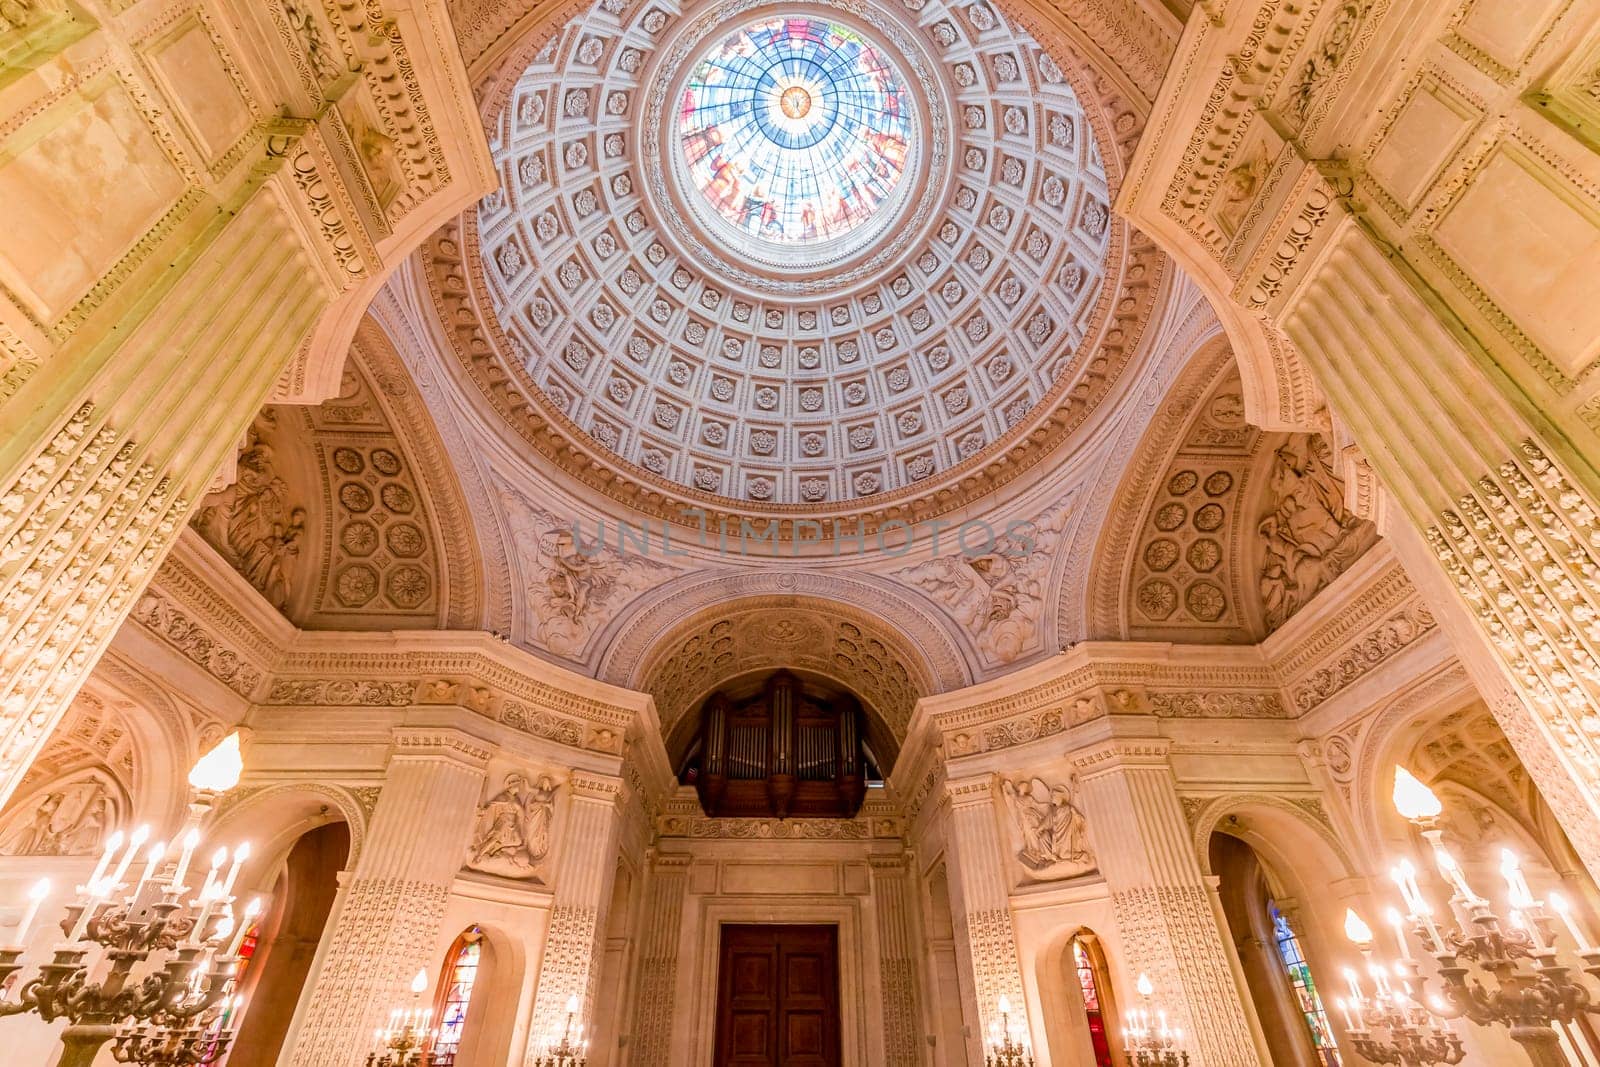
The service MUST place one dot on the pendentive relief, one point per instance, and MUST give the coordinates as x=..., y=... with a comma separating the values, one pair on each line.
x=253, y=523
x=1049, y=835
x=512, y=834
x=1309, y=536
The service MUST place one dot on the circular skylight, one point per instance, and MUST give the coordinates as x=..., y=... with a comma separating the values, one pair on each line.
x=795, y=131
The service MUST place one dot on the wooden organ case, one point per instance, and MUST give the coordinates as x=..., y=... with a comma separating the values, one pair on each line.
x=782, y=753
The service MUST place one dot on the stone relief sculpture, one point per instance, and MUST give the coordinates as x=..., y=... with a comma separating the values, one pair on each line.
x=573, y=589
x=252, y=523
x=1048, y=829
x=70, y=821
x=997, y=596
x=1309, y=536
x=512, y=834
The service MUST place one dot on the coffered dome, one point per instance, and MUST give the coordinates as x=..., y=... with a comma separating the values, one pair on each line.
x=798, y=255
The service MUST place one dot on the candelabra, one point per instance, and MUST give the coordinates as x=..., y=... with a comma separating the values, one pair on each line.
x=407, y=1040
x=1005, y=1048
x=147, y=966
x=1152, y=1044
x=1529, y=990
x=1393, y=1026
x=573, y=1051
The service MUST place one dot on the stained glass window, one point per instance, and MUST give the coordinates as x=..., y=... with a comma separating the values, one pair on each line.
x=1305, y=990
x=247, y=952
x=795, y=130
x=1091, y=1004
x=461, y=973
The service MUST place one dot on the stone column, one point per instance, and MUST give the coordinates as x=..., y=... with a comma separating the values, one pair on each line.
x=1508, y=515
x=586, y=864
x=388, y=921
x=650, y=1041
x=1160, y=899
x=894, y=907
x=984, y=933
x=137, y=345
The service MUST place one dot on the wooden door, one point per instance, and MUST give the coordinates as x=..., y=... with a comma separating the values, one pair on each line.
x=778, y=997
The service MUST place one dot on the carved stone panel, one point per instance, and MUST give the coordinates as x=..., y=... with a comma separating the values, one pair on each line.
x=1049, y=836
x=512, y=835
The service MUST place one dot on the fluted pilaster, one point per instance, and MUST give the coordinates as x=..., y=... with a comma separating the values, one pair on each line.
x=894, y=909
x=387, y=923
x=985, y=934
x=1160, y=899
x=585, y=867
x=662, y=923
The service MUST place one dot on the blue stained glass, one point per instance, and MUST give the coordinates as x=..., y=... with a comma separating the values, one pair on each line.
x=795, y=130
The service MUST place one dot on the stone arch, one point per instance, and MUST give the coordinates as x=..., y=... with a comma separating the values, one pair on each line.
x=1150, y=453
x=1303, y=859
x=168, y=737
x=347, y=514
x=1221, y=531
x=1391, y=732
x=458, y=528
x=1296, y=839
x=695, y=650
x=273, y=817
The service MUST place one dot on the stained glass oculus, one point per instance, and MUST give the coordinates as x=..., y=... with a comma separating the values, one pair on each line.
x=795, y=130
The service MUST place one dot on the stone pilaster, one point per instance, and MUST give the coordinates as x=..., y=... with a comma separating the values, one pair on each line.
x=586, y=864
x=894, y=908
x=650, y=1042
x=387, y=923
x=985, y=935
x=1161, y=902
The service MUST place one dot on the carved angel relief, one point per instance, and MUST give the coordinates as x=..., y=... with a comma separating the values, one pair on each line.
x=512, y=835
x=71, y=821
x=1309, y=536
x=572, y=588
x=1049, y=832
x=252, y=523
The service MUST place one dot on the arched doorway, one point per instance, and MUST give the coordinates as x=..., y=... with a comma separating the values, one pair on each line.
x=285, y=942
x=1286, y=996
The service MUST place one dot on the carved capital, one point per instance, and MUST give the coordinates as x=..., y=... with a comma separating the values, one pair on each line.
x=415, y=741
x=588, y=785
x=966, y=792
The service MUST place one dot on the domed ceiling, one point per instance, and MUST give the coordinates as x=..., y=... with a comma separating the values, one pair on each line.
x=805, y=255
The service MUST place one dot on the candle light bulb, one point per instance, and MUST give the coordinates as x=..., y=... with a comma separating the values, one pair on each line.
x=36, y=894
x=113, y=843
x=191, y=841
x=1004, y=1004
x=218, y=770
x=1412, y=799
x=572, y=1004
x=1356, y=929
x=1144, y=985
x=419, y=983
